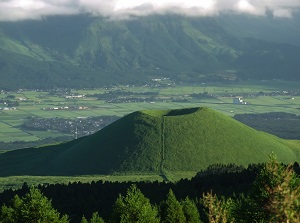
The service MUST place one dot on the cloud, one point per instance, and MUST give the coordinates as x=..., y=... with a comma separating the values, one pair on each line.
x=14, y=10
x=282, y=13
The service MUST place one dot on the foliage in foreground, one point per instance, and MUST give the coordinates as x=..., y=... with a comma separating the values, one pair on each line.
x=134, y=207
x=274, y=197
x=94, y=219
x=33, y=207
x=276, y=192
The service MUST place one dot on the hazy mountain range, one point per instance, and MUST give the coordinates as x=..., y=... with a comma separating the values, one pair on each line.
x=86, y=51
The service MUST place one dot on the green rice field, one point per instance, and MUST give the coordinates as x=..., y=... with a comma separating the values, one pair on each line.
x=39, y=103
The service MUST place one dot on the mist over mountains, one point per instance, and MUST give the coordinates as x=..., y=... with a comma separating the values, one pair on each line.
x=88, y=51
x=14, y=10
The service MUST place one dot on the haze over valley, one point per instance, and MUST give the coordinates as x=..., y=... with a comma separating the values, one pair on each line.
x=191, y=100
x=183, y=42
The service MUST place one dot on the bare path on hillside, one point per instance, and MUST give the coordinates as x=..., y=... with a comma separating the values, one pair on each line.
x=163, y=175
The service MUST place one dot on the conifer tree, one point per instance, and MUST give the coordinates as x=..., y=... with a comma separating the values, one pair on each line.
x=190, y=211
x=171, y=210
x=276, y=193
x=94, y=219
x=84, y=220
x=275, y=197
x=33, y=207
x=134, y=207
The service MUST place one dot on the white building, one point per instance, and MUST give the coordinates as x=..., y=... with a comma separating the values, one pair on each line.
x=239, y=101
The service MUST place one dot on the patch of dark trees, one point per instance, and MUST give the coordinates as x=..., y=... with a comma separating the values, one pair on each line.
x=114, y=94
x=9, y=103
x=78, y=199
x=287, y=95
x=282, y=124
x=204, y=95
x=180, y=100
x=121, y=96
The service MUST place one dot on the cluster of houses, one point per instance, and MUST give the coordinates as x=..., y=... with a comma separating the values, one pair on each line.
x=22, y=99
x=66, y=108
x=75, y=96
x=239, y=101
x=8, y=108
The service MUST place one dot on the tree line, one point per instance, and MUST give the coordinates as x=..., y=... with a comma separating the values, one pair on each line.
x=282, y=124
x=273, y=195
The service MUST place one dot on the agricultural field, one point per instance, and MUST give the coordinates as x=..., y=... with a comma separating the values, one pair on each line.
x=15, y=182
x=260, y=97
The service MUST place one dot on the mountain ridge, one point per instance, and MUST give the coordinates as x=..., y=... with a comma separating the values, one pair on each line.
x=99, y=52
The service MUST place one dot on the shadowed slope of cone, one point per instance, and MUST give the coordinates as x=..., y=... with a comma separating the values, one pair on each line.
x=152, y=141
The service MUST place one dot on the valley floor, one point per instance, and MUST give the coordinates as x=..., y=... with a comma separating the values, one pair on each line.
x=77, y=105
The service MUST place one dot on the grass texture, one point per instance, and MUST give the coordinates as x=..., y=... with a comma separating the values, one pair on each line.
x=153, y=141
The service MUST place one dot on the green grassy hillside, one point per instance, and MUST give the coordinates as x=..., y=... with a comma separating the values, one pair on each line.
x=155, y=141
x=84, y=51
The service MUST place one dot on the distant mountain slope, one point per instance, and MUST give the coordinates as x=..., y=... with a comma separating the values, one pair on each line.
x=267, y=28
x=89, y=51
x=153, y=142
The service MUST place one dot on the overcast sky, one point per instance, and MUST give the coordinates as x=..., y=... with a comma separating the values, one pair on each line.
x=14, y=10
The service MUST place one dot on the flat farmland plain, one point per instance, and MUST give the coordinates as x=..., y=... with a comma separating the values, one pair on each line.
x=261, y=97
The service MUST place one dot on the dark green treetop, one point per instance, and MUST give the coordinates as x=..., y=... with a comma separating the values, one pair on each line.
x=33, y=207
x=190, y=211
x=94, y=219
x=134, y=207
x=171, y=210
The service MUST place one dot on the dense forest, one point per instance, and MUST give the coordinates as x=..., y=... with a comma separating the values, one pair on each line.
x=282, y=124
x=223, y=193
